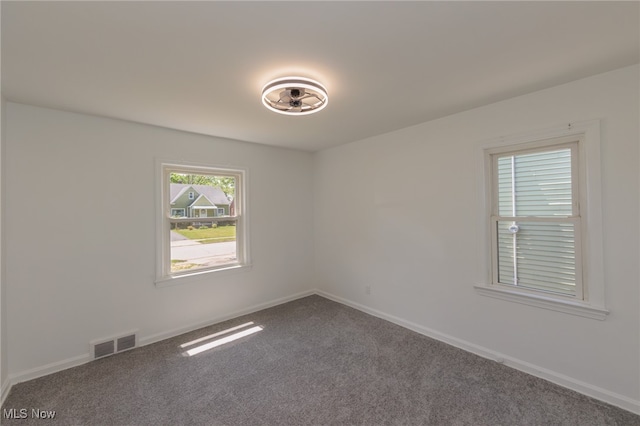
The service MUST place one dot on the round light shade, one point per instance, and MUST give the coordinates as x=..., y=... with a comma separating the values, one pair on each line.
x=294, y=96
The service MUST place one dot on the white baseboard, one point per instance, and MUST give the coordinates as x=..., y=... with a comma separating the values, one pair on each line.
x=255, y=308
x=55, y=367
x=4, y=391
x=552, y=376
x=45, y=370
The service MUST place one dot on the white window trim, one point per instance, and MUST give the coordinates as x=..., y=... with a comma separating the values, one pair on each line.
x=184, y=211
x=163, y=210
x=588, y=133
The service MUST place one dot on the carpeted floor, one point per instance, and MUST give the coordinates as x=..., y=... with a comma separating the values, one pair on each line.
x=311, y=362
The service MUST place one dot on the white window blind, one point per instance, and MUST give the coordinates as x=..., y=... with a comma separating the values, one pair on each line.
x=537, y=184
x=536, y=222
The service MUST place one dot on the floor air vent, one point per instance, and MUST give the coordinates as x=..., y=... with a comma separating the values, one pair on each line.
x=103, y=349
x=126, y=342
x=109, y=346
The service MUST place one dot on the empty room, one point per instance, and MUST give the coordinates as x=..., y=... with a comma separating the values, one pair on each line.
x=314, y=213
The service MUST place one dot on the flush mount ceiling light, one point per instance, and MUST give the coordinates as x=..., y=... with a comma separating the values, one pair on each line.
x=294, y=96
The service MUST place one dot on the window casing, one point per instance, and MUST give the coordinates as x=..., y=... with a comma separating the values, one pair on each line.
x=541, y=235
x=169, y=254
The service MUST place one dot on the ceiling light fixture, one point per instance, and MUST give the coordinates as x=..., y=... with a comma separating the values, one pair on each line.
x=294, y=96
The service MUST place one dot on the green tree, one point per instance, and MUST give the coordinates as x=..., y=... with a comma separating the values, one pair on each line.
x=226, y=183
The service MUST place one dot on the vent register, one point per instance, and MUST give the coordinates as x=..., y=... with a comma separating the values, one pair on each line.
x=108, y=347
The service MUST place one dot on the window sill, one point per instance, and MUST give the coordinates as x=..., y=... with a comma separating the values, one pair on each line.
x=172, y=280
x=546, y=302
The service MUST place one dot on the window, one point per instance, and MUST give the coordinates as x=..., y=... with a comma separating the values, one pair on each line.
x=544, y=235
x=199, y=242
x=220, y=211
x=536, y=221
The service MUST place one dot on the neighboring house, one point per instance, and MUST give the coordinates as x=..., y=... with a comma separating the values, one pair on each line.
x=198, y=201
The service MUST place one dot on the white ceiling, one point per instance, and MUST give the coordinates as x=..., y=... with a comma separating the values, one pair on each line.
x=200, y=66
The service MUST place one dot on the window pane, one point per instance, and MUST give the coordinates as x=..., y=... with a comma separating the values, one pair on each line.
x=506, y=255
x=202, y=223
x=543, y=259
x=537, y=184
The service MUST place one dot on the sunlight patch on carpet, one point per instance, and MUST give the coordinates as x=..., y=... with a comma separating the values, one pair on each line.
x=222, y=341
x=220, y=333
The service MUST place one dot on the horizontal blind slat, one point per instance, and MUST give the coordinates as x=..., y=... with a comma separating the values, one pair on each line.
x=544, y=256
x=536, y=184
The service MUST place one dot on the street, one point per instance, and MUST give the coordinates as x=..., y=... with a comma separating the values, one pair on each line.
x=194, y=252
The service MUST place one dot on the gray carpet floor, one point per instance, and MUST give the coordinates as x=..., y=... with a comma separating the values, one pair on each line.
x=313, y=362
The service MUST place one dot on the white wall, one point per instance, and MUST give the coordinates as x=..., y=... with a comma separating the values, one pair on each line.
x=398, y=213
x=80, y=234
x=4, y=377
x=4, y=382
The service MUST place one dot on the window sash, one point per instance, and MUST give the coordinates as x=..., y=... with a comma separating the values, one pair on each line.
x=536, y=148
x=535, y=184
x=552, y=273
x=541, y=260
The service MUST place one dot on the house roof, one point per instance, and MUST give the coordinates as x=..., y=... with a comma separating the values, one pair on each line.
x=203, y=202
x=213, y=194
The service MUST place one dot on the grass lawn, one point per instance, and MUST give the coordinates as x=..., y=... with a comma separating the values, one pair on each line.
x=210, y=235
